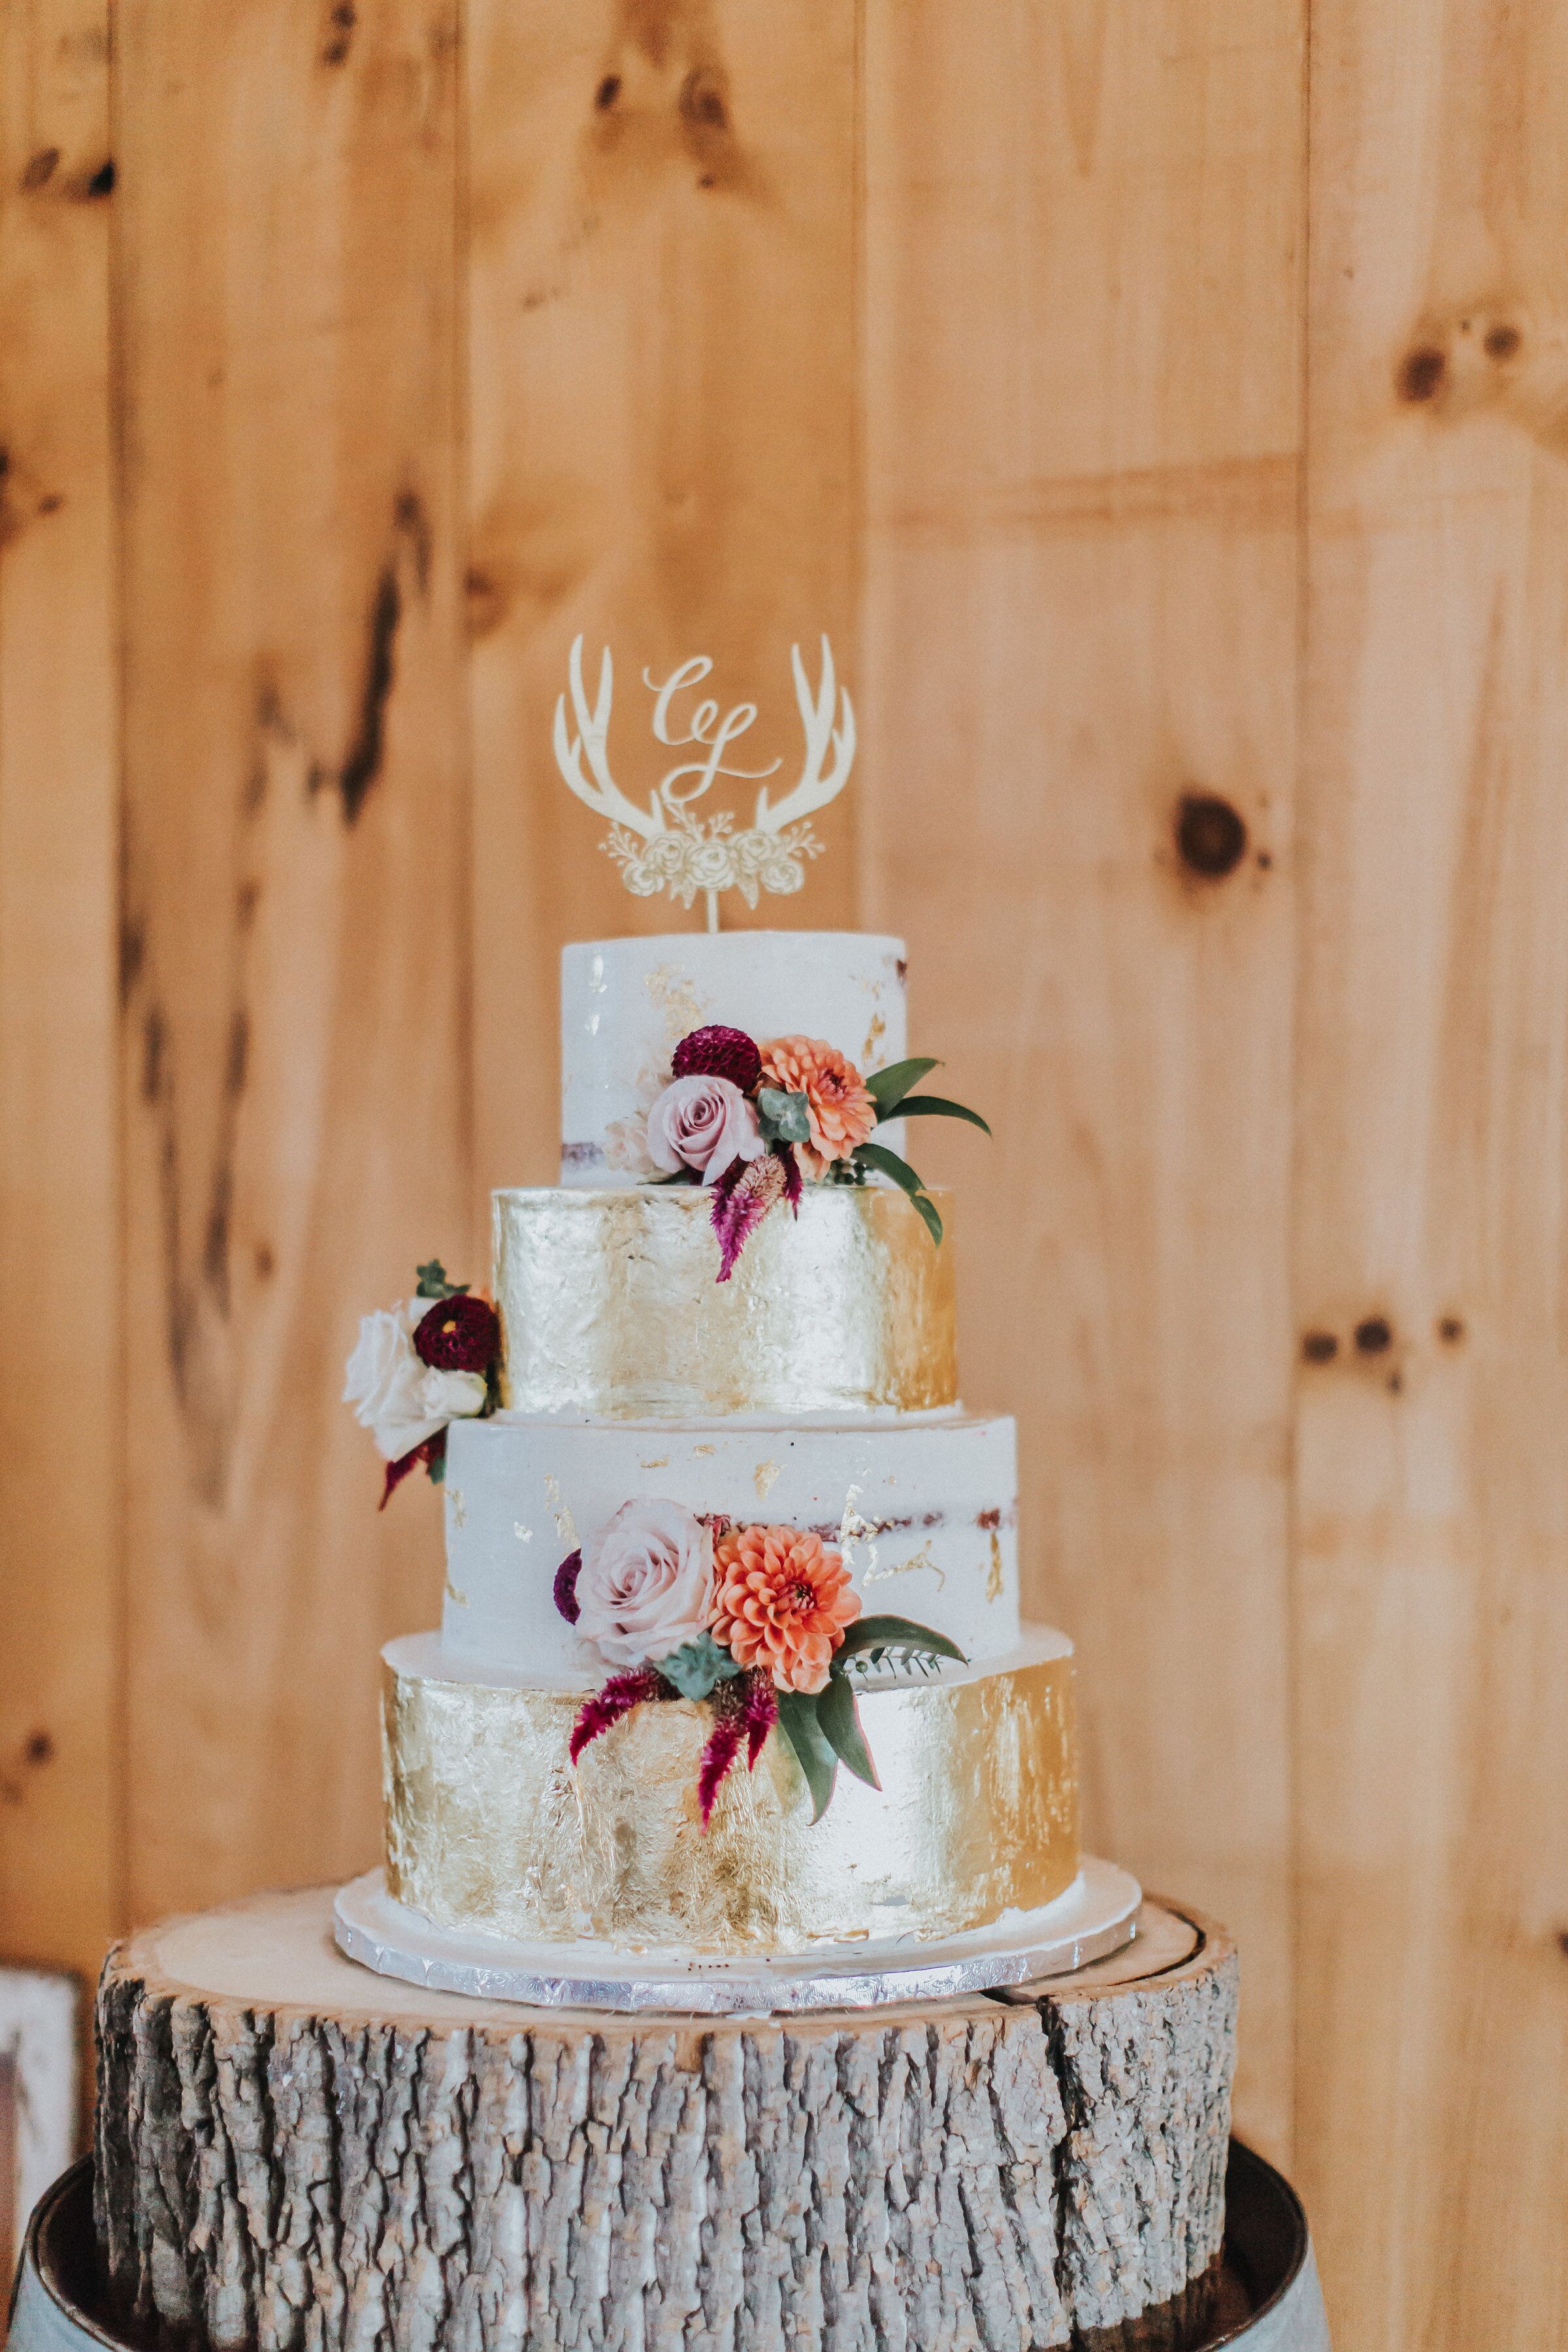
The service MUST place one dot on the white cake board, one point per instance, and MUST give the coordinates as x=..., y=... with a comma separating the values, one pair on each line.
x=1094, y=1916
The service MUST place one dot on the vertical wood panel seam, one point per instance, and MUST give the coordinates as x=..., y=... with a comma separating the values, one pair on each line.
x=114, y=378
x=860, y=837
x=1298, y=911
x=478, y=1236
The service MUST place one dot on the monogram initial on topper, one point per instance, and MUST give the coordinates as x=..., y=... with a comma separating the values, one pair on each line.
x=666, y=846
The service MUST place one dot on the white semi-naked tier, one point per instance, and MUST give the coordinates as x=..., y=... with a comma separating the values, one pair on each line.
x=925, y=1510
x=627, y=1003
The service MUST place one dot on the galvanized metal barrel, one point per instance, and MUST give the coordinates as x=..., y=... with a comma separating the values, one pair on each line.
x=1267, y=2298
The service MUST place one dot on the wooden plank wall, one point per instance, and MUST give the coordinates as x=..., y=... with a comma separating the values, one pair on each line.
x=1081, y=599
x=62, y=1755
x=295, y=1074
x=1159, y=403
x=1431, y=1245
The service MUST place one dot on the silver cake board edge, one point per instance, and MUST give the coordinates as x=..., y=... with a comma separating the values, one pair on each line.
x=1093, y=1917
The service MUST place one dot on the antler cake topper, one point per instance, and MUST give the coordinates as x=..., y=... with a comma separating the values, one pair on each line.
x=664, y=846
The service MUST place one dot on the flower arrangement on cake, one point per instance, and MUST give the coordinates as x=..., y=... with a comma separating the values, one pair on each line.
x=420, y=1366
x=754, y=1121
x=760, y=1621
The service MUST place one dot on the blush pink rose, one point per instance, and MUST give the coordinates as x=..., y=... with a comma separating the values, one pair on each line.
x=704, y=1123
x=646, y=1584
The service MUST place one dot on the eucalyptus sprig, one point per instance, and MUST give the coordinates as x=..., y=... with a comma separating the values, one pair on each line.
x=824, y=1727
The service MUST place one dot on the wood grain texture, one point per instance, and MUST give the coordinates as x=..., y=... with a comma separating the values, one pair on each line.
x=296, y=847
x=1083, y=437
x=61, y=1822
x=967, y=2173
x=978, y=338
x=1433, y=1080
x=662, y=346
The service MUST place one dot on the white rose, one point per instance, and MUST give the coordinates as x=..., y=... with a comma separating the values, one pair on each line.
x=625, y=1145
x=646, y=1585
x=625, y=1140
x=399, y=1400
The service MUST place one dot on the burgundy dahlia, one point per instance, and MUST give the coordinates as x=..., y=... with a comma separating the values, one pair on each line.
x=718, y=1053
x=458, y=1335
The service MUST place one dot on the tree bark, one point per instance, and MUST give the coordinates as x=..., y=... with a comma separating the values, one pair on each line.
x=298, y=2156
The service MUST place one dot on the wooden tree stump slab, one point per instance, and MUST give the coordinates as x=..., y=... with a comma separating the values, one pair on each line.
x=295, y=2153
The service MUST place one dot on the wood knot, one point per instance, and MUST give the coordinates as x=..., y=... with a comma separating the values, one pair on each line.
x=609, y=90
x=1501, y=342
x=486, y=601
x=1421, y=373
x=1374, y=1336
x=1450, y=1331
x=40, y=168
x=703, y=100
x=41, y=1748
x=340, y=22
x=1320, y=1347
x=101, y=184
x=1211, y=838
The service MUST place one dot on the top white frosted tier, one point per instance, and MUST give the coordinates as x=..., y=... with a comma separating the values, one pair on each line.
x=627, y=1003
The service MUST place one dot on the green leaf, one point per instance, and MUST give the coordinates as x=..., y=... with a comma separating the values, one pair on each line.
x=840, y=1720
x=437, y=1465
x=682, y=1176
x=925, y=1209
x=888, y=1164
x=783, y=1117
x=888, y=1087
x=871, y=1633
x=798, y=1722
x=697, y=1665
x=938, y=1107
x=433, y=1282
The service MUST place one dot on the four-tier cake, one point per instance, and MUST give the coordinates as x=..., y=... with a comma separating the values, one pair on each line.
x=731, y=1665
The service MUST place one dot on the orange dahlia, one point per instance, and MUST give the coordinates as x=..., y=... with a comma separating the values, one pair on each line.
x=781, y=1603
x=840, y=1110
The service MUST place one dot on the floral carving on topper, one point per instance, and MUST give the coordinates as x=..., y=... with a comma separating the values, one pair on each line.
x=667, y=845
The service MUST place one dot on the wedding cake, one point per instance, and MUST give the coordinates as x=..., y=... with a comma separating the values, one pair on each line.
x=731, y=1660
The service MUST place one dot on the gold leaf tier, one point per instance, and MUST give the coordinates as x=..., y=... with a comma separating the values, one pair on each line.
x=490, y=1829
x=610, y=1306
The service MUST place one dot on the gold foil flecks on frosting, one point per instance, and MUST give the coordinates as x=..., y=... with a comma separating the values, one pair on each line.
x=610, y=1306
x=764, y=1477
x=658, y=1462
x=561, y=1512
x=857, y=1539
x=452, y=1593
x=994, y=1582
x=921, y=1559
x=705, y=1449
x=874, y=1037
x=459, y=1501
x=491, y=1830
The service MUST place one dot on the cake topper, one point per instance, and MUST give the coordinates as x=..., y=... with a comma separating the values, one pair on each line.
x=664, y=846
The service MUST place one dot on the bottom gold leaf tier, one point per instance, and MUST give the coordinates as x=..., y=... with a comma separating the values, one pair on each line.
x=490, y=1829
